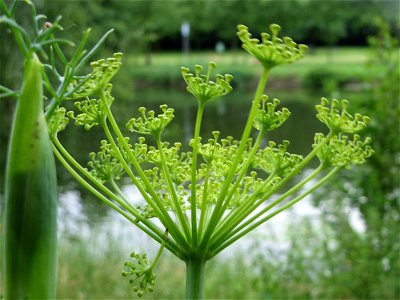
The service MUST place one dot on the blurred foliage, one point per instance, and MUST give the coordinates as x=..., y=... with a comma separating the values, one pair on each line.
x=323, y=78
x=371, y=256
x=334, y=261
x=143, y=23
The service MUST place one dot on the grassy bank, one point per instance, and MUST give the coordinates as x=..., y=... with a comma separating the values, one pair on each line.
x=344, y=64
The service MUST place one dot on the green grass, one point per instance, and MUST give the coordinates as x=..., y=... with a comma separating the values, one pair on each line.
x=85, y=272
x=349, y=63
x=240, y=57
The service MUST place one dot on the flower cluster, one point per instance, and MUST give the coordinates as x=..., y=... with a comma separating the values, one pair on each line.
x=139, y=268
x=58, y=121
x=204, y=89
x=268, y=118
x=218, y=154
x=178, y=162
x=151, y=124
x=104, y=166
x=276, y=160
x=93, y=111
x=338, y=120
x=272, y=50
x=341, y=151
x=103, y=71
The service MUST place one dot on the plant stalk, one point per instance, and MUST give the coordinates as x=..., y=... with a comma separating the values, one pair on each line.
x=195, y=278
x=30, y=217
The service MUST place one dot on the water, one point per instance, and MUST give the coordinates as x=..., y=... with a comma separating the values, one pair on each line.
x=83, y=215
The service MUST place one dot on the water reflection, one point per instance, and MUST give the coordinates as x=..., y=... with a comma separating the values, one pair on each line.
x=227, y=115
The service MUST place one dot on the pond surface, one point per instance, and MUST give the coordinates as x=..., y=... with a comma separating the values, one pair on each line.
x=227, y=115
x=79, y=209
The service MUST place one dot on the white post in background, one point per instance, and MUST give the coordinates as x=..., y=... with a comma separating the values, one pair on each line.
x=185, y=32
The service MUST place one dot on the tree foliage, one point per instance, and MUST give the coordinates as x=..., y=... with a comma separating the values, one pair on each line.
x=141, y=24
x=371, y=257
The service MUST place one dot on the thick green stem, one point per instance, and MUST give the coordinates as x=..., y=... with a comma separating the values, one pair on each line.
x=30, y=216
x=195, y=278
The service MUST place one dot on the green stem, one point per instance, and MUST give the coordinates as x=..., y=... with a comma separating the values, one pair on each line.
x=218, y=212
x=17, y=34
x=148, y=226
x=125, y=204
x=155, y=201
x=152, y=266
x=194, y=278
x=175, y=201
x=237, y=211
x=85, y=172
x=244, y=169
x=199, y=116
x=269, y=216
x=230, y=231
x=247, y=207
x=153, y=231
x=204, y=206
x=55, y=101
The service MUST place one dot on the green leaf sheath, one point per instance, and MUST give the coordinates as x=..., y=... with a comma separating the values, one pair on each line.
x=31, y=197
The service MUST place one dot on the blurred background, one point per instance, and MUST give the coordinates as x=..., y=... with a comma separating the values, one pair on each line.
x=343, y=243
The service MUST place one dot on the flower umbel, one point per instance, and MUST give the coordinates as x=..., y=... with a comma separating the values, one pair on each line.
x=272, y=50
x=340, y=120
x=103, y=71
x=340, y=151
x=208, y=193
x=104, y=166
x=267, y=118
x=139, y=269
x=58, y=121
x=202, y=87
x=150, y=123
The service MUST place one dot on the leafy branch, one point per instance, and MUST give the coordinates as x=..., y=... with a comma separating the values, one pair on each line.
x=60, y=74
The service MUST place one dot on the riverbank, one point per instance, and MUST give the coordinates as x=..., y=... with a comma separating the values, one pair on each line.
x=320, y=68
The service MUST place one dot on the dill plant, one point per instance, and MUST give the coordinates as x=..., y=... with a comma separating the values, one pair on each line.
x=199, y=202
x=196, y=203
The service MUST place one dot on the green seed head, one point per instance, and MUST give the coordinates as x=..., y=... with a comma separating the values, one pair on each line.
x=271, y=51
x=202, y=87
